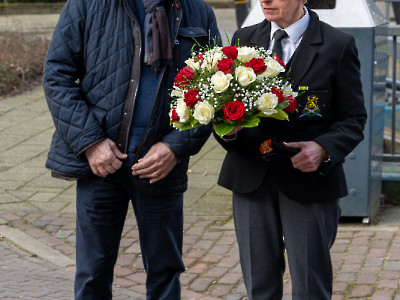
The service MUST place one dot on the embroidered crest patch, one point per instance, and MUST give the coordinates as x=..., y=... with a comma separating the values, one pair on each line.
x=311, y=109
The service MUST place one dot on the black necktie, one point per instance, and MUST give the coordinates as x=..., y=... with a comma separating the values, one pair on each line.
x=279, y=35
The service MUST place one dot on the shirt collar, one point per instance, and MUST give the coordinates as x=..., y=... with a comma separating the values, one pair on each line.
x=296, y=30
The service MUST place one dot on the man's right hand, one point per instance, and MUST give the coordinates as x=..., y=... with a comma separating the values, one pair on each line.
x=104, y=157
x=234, y=131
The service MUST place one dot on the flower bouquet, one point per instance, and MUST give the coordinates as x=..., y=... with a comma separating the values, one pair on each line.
x=230, y=86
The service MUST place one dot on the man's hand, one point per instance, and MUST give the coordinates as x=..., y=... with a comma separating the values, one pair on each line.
x=156, y=164
x=310, y=156
x=104, y=158
x=234, y=131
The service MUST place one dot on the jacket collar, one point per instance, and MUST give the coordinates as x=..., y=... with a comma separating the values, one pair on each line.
x=306, y=52
x=262, y=35
x=304, y=55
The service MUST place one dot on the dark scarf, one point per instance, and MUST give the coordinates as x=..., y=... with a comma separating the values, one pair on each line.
x=157, y=39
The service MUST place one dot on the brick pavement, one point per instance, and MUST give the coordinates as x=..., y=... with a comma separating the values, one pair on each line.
x=366, y=258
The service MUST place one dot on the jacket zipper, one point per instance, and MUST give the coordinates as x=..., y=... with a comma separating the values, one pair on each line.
x=125, y=135
x=179, y=19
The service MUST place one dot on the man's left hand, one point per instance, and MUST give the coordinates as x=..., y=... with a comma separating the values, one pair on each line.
x=156, y=164
x=310, y=156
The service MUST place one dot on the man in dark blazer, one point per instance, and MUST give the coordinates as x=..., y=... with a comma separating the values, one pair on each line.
x=289, y=199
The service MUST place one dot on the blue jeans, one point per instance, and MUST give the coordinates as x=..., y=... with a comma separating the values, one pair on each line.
x=101, y=206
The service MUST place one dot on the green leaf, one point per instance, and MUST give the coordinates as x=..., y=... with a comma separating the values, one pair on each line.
x=251, y=121
x=280, y=115
x=282, y=105
x=222, y=128
x=188, y=126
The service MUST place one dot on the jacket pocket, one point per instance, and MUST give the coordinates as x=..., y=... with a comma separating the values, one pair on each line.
x=187, y=42
x=312, y=105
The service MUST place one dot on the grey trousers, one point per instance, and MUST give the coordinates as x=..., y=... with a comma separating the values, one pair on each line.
x=267, y=223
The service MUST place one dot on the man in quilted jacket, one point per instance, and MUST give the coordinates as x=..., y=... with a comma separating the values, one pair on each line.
x=108, y=73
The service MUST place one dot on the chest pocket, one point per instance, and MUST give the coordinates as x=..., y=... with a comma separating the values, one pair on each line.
x=187, y=42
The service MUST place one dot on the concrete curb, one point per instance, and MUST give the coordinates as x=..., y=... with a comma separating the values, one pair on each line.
x=28, y=243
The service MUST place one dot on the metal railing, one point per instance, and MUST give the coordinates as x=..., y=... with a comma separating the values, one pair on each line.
x=393, y=34
x=387, y=6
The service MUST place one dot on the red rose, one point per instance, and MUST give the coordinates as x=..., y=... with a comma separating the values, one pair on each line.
x=292, y=104
x=184, y=77
x=257, y=64
x=225, y=65
x=234, y=111
x=192, y=97
x=278, y=93
x=230, y=52
x=174, y=115
x=199, y=57
x=279, y=61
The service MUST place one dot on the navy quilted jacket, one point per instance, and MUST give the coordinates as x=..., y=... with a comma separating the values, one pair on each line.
x=88, y=84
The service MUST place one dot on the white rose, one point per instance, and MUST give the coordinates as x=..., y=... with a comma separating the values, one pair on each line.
x=191, y=63
x=245, y=75
x=178, y=93
x=267, y=103
x=183, y=111
x=211, y=61
x=203, y=112
x=287, y=91
x=273, y=68
x=220, y=82
x=245, y=54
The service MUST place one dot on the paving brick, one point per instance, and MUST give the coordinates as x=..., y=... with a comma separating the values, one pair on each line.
x=219, y=291
x=122, y=272
x=368, y=270
x=138, y=277
x=196, y=253
x=201, y=284
x=346, y=277
x=198, y=268
x=213, y=257
x=340, y=287
x=351, y=268
x=377, y=252
x=395, y=275
x=122, y=282
x=392, y=265
x=376, y=261
x=216, y=272
x=354, y=259
x=188, y=261
x=388, y=284
x=382, y=295
x=362, y=291
x=367, y=279
x=230, y=278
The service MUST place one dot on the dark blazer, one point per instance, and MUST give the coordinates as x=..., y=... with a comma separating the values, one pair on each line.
x=326, y=61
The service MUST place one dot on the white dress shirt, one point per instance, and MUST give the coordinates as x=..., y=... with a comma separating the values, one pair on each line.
x=295, y=34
